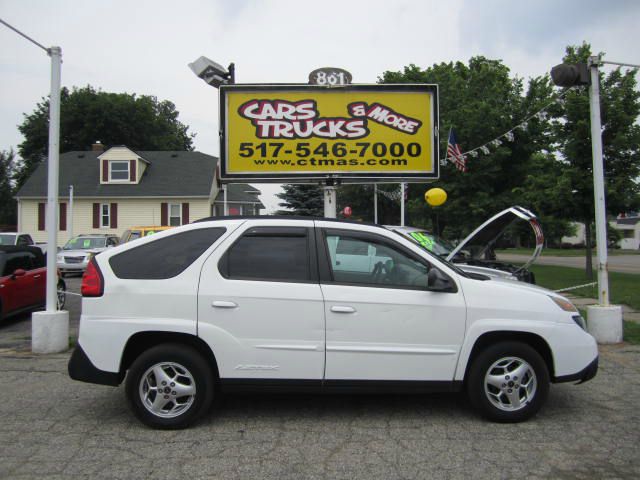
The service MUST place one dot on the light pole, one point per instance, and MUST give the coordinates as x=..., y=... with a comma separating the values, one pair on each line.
x=50, y=329
x=214, y=74
x=604, y=321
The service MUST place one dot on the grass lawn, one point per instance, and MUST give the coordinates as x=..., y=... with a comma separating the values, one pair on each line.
x=562, y=252
x=624, y=288
x=631, y=332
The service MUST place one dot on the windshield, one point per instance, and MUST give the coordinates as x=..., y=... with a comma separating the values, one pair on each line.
x=85, y=243
x=7, y=238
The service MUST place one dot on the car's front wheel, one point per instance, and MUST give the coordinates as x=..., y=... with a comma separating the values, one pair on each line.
x=508, y=382
x=170, y=386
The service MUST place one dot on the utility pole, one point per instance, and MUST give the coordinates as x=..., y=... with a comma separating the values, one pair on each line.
x=604, y=321
x=50, y=329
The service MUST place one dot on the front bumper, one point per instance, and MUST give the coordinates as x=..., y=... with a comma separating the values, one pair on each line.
x=80, y=368
x=582, y=376
x=72, y=267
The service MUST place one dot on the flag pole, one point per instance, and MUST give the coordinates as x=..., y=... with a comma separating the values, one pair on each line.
x=375, y=203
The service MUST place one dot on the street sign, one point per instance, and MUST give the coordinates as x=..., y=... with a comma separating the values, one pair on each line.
x=304, y=133
x=329, y=76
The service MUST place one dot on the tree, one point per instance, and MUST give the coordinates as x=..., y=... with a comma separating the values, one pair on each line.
x=86, y=115
x=620, y=107
x=302, y=199
x=7, y=188
x=361, y=199
x=481, y=101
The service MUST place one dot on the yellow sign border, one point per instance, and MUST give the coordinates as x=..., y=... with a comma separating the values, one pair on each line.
x=427, y=138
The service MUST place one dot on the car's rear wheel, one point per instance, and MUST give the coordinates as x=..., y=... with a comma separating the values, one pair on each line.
x=170, y=386
x=508, y=382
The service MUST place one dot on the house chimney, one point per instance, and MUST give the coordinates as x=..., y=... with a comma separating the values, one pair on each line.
x=97, y=147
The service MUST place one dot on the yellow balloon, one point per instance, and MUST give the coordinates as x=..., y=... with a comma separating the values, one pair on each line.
x=435, y=197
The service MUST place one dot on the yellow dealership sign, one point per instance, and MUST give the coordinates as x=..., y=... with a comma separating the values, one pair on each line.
x=355, y=133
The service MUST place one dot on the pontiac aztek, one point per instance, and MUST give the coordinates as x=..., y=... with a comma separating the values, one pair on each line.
x=315, y=305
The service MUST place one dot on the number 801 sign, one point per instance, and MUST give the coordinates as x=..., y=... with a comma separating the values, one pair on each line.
x=329, y=76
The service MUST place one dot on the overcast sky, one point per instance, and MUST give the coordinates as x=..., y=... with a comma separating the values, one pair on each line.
x=144, y=46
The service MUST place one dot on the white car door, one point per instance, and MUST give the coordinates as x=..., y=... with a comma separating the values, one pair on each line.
x=384, y=324
x=260, y=306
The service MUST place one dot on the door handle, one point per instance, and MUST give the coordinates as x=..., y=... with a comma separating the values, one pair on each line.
x=223, y=304
x=342, y=309
x=36, y=276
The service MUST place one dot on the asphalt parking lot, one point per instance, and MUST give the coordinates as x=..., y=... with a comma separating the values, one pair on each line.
x=53, y=427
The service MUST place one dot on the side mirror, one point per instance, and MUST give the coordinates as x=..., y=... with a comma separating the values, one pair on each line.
x=19, y=272
x=439, y=282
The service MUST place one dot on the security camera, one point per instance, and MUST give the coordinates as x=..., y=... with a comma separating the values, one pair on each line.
x=211, y=72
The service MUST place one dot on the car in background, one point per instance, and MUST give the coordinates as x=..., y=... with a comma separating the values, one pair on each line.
x=75, y=255
x=20, y=239
x=475, y=253
x=23, y=276
x=134, y=233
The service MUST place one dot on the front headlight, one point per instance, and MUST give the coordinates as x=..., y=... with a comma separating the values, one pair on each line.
x=59, y=258
x=564, y=304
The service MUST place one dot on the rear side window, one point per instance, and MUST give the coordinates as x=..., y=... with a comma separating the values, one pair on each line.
x=272, y=254
x=165, y=257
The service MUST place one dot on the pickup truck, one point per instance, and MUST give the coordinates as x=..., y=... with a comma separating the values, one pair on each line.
x=20, y=239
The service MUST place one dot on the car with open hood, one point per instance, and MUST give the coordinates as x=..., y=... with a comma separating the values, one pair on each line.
x=475, y=252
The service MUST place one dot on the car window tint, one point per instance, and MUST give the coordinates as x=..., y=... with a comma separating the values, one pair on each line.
x=383, y=264
x=15, y=261
x=269, y=254
x=166, y=257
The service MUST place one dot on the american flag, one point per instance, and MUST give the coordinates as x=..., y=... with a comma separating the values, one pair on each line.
x=454, y=153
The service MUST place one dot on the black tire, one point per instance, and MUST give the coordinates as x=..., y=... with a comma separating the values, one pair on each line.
x=188, y=366
x=61, y=294
x=509, y=401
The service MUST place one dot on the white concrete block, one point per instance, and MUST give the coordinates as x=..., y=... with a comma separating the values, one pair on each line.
x=605, y=323
x=50, y=332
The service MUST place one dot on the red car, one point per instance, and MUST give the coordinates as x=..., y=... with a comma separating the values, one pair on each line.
x=23, y=274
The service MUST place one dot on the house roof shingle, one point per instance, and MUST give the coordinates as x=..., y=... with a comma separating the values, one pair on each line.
x=240, y=192
x=170, y=174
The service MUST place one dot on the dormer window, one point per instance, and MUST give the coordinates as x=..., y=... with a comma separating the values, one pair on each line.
x=119, y=171
x=121, y=165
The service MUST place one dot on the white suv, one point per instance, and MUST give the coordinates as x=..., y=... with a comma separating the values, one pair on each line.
x=282, y=304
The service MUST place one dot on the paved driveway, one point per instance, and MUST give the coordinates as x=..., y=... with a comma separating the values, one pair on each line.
x=617, y=263
x=53, y=427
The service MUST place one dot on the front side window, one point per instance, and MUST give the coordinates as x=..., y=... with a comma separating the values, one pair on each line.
x=16, y=261
x=270, y=254
x=105, y=215
x=119, y=170
x=175, y=214
x=371, y=261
